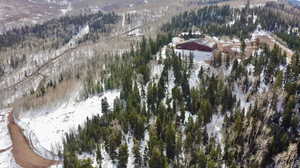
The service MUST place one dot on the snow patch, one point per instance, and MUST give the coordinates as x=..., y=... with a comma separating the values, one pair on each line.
x=67, y=10
x=214, y=129
x=6, y=158
x=130, y=144
x=241, y=97
x=106, y=160
x=85, y=30
x=4, y=133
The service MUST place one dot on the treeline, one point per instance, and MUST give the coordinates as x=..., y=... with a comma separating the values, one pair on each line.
x=61, y=30
x=292, y=40
x=204, y=18
x=207, y=2
x=224, y=20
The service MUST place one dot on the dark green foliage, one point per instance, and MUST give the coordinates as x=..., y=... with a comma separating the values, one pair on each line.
x=123, y=156
x=99, y=156
x=73, y=162
x=214, y=20
x=292, y=39
x=157, y=159
x=137, y=124
x=170, y=141
x=278, y=144
x=137, y=155
x=199, y=159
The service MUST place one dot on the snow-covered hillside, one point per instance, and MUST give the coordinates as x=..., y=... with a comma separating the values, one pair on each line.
x=6, y=158
x=51, y=125
x=46, y=130
x=35, y=70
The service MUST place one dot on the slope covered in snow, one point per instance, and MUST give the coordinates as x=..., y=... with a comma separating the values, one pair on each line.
x=51, y=126
x=6, y=159
x=46, y=131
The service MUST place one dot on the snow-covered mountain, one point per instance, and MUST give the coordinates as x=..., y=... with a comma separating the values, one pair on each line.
x=114, y=95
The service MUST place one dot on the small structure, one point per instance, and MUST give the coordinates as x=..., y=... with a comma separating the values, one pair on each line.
x=177, y=40
x=200, y=49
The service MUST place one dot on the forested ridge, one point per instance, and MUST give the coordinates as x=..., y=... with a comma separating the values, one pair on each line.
x=38, y=43
x=61, y=30
x=225, y=21
x=167, y=115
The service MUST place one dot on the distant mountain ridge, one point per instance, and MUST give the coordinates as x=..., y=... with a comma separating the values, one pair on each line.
x=295, y=2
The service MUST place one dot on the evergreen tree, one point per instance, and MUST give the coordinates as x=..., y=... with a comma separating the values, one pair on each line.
x=123, y=156
x=157, y=159
x=99, y=156
x=243, y=46
x=104, y=106
x=137, y=155
x=171, y=141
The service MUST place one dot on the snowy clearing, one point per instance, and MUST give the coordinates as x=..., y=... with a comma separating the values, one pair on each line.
x=51, y=128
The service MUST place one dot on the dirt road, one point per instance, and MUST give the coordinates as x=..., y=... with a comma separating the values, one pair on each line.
x=22, y=152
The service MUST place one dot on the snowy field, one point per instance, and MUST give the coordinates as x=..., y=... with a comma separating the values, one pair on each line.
x=199, y=56
x=7, y=160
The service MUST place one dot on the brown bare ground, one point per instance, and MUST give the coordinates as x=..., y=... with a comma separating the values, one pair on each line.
x=22, y=152
x=53, y=95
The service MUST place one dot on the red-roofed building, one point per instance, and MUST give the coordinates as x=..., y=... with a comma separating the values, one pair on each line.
x=201, y=50
x=194, y=46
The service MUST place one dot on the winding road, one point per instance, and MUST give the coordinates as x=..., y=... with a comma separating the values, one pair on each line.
x=21, y=150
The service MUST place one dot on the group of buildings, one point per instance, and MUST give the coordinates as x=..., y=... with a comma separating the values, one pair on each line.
x=206, y=48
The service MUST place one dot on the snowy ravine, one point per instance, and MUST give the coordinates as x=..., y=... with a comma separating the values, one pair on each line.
x=46, y=130
x=51, y=126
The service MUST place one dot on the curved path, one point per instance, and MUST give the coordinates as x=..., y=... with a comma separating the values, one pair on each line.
x=21, y=150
